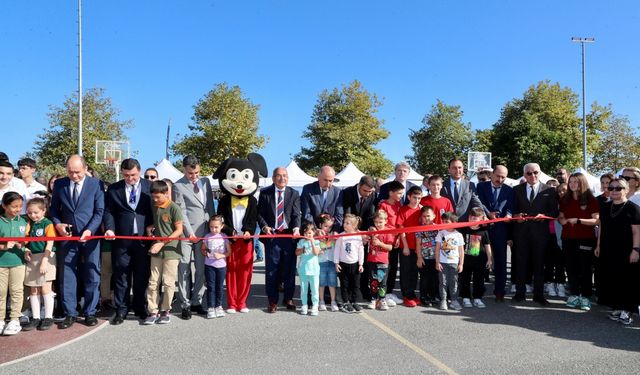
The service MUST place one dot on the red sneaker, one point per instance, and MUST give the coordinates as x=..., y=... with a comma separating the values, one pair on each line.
x=408, y=302
x=417, y=301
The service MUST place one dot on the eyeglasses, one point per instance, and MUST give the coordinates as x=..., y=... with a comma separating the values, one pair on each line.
x=629, y=178
x=532, y=173
x=150, y=177
x=615, y=188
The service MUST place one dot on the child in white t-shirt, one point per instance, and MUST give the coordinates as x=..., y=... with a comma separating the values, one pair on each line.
x=449, y=261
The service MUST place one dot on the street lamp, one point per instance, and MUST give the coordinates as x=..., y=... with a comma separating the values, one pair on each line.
x=582, y=41
x=80, y=77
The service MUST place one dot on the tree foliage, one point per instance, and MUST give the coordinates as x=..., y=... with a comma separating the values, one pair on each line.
x=444, y=135
x=100, y=122
x=541, y=127
x=225, y=125
x=618, y=144
x=344, y=128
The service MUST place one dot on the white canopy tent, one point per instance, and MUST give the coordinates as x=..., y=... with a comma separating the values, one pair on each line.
x=297, y=177
x=349, y=176
x=167, y=170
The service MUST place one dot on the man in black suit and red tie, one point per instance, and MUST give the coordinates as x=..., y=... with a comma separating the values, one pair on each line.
x=360, y=200
x=127, y=213
x=279, y=213
x=532, y=199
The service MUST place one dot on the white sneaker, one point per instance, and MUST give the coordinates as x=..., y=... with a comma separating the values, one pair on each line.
x=513, y=288
x=211, y=313
x=220, y=312
x=304, y=310
x=231, y=311
x=390, y=301
x=314, y=311
x=372, y=304
x=529, y=289
x=322, y=307
x=334, y=307
x=12, y=328
x=466, y=302
x=455, y=305
x=383, y=305
x=550, y=288
x=477, y=302
x=394, y=298
x=244, y=310
x=561, y=291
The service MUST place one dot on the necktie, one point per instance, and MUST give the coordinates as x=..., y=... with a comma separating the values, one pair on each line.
x=76, y=192
x=132, y=195
x=280, y=211
x=532, y=194
x=361, y=202
x=456, y=195
x=324, y=199
x=495, y=195
x=196, y=189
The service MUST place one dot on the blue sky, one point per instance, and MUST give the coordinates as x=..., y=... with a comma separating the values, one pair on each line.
x=157, y=59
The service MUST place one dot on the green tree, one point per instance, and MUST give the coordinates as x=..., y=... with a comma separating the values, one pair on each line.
x=225, y=124
x=482, y=140
x=100, y=122
x=541, y=127
x=344, y=128
x=618, y=146
x=444, y=135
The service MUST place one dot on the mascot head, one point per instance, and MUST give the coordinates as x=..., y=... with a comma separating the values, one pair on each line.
x=240, y=177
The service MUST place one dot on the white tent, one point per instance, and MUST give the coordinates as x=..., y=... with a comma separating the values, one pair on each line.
x=349, y=176
x=297, y=177
x=167, y=170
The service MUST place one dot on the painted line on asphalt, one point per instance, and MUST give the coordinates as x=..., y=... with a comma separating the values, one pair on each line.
x=431, y=359
x=98, y=328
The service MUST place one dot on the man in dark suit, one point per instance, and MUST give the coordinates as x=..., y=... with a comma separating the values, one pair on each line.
x=532, y=199
x=460, y=191
x=322, y=197
x=128, y=213
x=496, y=198
x=360, y=200
x=279, y=213
x=401, y=171
x=77, y=206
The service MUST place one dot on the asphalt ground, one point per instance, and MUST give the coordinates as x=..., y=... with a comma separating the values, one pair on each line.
x=504, y=338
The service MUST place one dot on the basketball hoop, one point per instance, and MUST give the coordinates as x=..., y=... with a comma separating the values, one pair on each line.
x=111, y=153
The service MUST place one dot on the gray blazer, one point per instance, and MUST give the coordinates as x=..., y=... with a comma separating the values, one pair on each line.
x=195, y=213
x=466, y=200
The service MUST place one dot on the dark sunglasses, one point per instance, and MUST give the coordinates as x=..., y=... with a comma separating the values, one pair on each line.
x=615, y=188
x=532, y=173
x=629, y=178
x=149, y=177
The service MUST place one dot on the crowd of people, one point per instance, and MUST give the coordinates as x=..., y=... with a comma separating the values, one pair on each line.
x=558, y=231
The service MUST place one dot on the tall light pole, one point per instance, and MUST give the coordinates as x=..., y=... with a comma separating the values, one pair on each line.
x=80, y=77
x=582, y=41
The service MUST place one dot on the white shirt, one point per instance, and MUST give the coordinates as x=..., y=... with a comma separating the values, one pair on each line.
x=72, y=186
x=536, y=189
x=18, y=186
x=635, y=198
x=34, y=186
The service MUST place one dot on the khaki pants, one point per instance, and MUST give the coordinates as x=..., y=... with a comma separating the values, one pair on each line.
x=167, y=269
x=105, y=276
x=12, y=280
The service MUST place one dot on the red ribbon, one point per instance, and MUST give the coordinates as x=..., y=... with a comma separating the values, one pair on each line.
x=365, y=233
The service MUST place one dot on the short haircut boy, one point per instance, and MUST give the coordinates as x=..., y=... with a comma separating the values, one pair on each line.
x=450, y=216
x=414, y=190
x=435, y=177
x=395, y=186
x=159, y=187
x=27, y=162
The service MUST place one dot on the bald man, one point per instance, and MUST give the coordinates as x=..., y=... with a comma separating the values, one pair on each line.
x=322, y=197
x=77, y=206
x=496, y=198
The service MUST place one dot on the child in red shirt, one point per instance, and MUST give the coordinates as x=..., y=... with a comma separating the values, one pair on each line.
x=409, y=216
x=392, y=208
x=439, y=203
x=378, y=259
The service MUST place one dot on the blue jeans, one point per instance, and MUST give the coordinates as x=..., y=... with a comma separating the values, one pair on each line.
x=258, y=246
x=215, y=280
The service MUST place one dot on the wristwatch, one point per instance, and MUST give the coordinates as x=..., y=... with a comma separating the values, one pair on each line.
x=636, y=249
x=578, y=221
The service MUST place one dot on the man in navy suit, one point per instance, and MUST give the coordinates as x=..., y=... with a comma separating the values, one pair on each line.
x=496, y=198
x=128, y=213
x=460, y=191
x=401, y=171
x=279, y=213
x=321, y=197
x=77, y=206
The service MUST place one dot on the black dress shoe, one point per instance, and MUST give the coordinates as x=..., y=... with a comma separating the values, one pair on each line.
x=33, y=324
x=67, y=322
x=519, y=298
x=186, y=313
x=90, y=320
x=198, y=310
x=117, y=320
x=46, y=324
x=541, y=301
x=290, y=305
